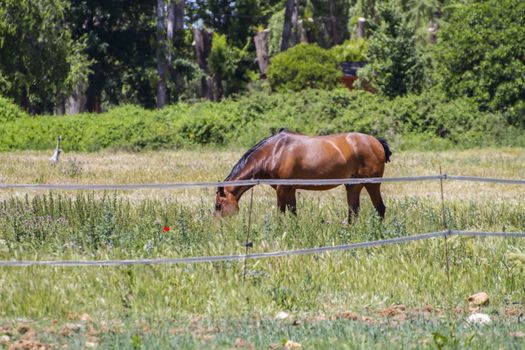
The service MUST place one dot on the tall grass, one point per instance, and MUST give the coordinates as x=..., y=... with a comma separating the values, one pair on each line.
x=52, y=226
x=115, y=225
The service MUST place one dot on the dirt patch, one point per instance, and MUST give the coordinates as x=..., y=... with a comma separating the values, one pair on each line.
x=393, y=311
x=29, y=345
x=353, y=316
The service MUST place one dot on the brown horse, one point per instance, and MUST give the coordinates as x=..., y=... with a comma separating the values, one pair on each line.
x=288, y=155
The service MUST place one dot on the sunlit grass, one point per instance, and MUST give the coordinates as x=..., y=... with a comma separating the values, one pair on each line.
x=128, y=225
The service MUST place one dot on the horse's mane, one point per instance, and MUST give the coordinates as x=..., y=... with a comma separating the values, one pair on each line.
x=246, y=156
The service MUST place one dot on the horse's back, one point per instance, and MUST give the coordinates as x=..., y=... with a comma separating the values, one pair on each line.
x=329, y=156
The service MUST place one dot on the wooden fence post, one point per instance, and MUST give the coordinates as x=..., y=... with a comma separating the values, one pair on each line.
x=261, y=47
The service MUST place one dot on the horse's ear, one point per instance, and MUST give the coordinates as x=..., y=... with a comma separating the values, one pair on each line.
x=220, y=191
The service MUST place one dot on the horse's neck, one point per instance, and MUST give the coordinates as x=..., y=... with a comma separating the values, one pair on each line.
x=253, y=170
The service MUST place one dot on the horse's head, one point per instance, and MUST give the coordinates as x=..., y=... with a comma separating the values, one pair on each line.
x=225, y=203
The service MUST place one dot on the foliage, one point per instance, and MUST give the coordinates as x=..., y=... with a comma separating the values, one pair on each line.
x=275, y=25
x=9, y=111
x=120, y=44
x=237, y=19
x=354, y=50
x=304, y=66
x=39, y=61
x=427, y=120
x=424, y=14
x=326, y=22
x=396, y=65
x=481, y=54
x=226, y=64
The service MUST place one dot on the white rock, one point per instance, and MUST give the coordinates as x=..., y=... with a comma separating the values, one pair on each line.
x=291, y=345
x=479, y=319
x=480, y=298
x=4, y=339
x=282, y=315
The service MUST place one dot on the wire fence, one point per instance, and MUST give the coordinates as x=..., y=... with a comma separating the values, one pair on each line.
x=253, y=182
x=243, y=257
x=261, y=255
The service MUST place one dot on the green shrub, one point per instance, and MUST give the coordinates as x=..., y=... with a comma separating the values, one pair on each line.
x=427, y=121
x=275, y=24
x=354, y=50
x=395, y=63
x=9, y=111
x=304, y=66
x=481, y=53
x=228, y=66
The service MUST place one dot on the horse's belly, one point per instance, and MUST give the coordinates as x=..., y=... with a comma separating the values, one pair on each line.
x=324, y=161
x=323, y=170
x=315, y=188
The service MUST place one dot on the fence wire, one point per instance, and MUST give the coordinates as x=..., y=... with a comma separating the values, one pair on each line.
x=191, y=185
x=263, y=255
x=253, y=182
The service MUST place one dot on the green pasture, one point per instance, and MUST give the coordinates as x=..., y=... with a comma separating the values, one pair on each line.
x=397, y=296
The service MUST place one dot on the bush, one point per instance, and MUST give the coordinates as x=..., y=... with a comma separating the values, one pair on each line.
x=424, y=121
x=304, y=66
x=395, y=64
x=354, y=50
x=9, y=111
x=481, y=54
x=228, y=66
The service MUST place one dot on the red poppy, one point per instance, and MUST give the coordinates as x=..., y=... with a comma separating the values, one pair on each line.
x=166, y=228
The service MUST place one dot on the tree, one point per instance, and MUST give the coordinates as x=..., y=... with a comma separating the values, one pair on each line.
x=331, y=20
x=121, y=44
x=237, y=19
x=289, y=35
x=162, y=51
x=225, y=62
x=203, y=39
x=304, y=66
x=175, y=42
x=481, y=54
x=40, y=64
x=396, y=64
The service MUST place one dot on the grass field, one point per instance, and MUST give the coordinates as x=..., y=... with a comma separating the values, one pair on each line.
x=394, y=296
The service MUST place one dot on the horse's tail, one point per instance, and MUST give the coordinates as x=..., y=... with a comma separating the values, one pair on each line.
x=384, y=143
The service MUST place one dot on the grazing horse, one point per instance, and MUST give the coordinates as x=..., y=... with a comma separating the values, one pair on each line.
x=288, y=155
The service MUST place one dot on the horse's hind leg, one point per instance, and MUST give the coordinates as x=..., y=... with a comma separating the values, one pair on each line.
x=352, y=197
x=375, y=195
x=286, y=199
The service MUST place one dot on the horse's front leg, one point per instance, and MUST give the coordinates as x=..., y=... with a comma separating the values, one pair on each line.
x=286, y=199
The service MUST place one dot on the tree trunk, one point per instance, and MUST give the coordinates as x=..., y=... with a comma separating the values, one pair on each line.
x=162, y=97
x=336, y=36
x=219, y=87
x=179, y=14
x=202, y=39
x=291, y=13
x=175, y=35
x=76, y=102
x=261, y=47
x=170, y=26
